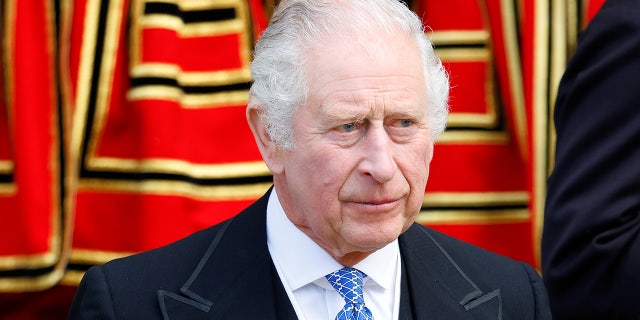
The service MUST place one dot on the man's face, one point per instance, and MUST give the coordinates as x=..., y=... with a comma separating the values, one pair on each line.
x=356, y=176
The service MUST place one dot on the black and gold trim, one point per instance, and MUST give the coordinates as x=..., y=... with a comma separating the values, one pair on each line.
x=471, y=46
x=29, y=272
x=7, y=185
x=472, y=208
x=557, y=24
x=192, y=90
x=202, y=89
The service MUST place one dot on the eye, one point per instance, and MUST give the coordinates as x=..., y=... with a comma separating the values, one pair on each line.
x=404, y=129
x=402, y=123
x=348, y=127
x=405, y=123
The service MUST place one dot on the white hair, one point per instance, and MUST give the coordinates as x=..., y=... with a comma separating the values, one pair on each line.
x=279, y=76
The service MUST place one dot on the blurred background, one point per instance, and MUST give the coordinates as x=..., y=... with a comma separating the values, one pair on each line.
x=122, y=128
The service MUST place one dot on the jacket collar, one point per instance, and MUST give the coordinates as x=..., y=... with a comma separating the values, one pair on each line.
x=234, y=278
x=437, y=284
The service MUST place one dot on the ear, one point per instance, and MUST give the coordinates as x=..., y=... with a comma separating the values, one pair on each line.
x=272, y=154
x=432, y=146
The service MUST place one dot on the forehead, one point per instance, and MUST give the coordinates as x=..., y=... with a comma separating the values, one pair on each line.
x=368, y=70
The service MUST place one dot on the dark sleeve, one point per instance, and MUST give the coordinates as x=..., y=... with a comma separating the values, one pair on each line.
x=541, y=300
x=591, y=236
x=93, y=298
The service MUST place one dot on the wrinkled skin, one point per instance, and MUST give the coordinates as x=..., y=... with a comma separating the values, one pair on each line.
x=356, y=176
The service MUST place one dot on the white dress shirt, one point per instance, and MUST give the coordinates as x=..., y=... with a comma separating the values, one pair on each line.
x=302, y=266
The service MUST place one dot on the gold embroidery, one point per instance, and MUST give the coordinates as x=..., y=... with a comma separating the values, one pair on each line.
x=473, y=216
x=179, y=188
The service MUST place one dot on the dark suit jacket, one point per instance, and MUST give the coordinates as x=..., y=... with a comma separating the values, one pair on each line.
x=226, y=272
x=591, y=237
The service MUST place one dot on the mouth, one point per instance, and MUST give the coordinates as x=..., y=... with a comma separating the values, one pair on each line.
x=377, y=205
x=377, y=202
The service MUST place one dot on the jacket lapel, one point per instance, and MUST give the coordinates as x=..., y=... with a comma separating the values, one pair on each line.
x=438, y=287
x=235, y=278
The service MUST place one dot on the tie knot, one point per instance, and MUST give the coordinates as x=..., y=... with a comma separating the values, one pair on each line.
x=348, y=283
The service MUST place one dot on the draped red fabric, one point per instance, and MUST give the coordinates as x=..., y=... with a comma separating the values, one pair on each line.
x=122, y=128
x=478, y=190
x=32, y=247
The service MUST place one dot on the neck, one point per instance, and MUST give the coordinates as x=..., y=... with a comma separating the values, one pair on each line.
x=350, y=259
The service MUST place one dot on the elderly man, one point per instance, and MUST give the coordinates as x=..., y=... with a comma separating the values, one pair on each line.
x=347, y=101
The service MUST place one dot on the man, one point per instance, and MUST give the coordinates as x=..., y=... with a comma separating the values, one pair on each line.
x=347, y=101
x=591, y=237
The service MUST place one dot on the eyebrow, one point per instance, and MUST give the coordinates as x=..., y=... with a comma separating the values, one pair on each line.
x=413, y=113
x=351, y=109
x=344, y=116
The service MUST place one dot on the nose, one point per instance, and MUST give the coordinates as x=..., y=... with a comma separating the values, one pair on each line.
x=378, y=158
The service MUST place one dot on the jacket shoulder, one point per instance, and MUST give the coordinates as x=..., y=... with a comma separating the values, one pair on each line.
x=522, y=292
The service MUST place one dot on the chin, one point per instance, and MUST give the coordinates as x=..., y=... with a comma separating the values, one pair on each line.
x=374, y=235
x=373, y=241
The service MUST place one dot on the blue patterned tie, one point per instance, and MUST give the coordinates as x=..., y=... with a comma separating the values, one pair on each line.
x=348, y=283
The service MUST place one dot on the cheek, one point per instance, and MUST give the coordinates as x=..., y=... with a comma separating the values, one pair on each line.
x=416, y=163
x=329, y=166
x=319, y=174
x=415, y=169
